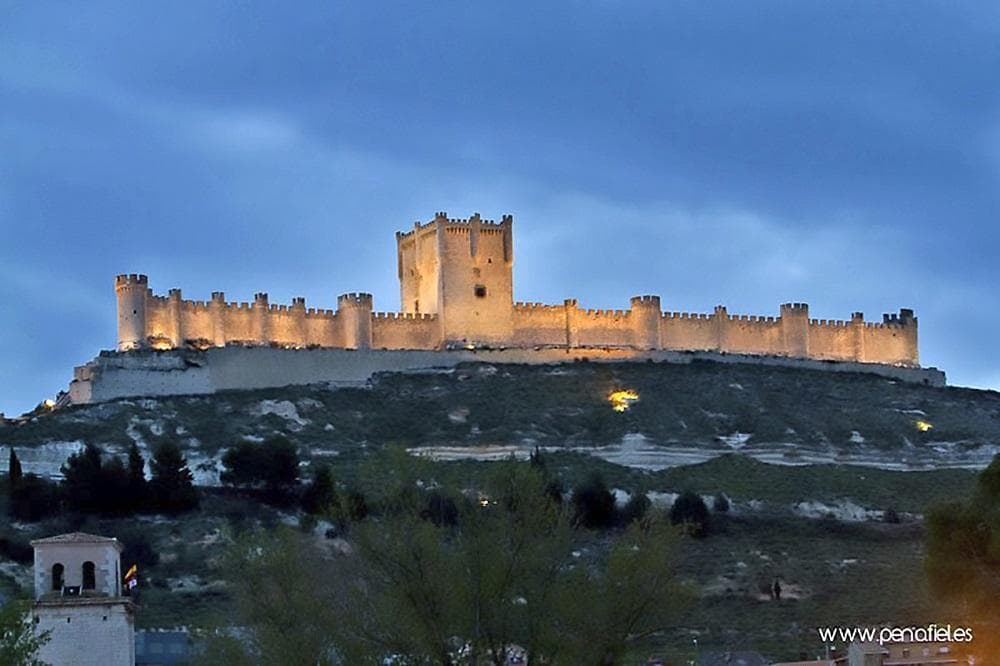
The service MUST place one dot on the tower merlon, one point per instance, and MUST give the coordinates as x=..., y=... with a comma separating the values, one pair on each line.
x=645, y=301
x=903, y=318
x=129, y=279
x=354, y=300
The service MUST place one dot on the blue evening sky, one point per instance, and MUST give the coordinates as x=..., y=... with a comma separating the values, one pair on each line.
x=846, y=154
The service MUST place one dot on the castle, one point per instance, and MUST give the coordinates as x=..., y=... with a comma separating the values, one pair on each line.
x=456, y=291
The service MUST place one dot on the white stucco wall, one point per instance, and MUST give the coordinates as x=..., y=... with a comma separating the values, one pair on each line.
x=87, y=635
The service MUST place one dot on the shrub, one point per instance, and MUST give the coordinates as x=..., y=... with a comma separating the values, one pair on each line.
x=355, y=506
x=16, y=549
x=720, y=504
x=271, y=466
x=440, y=509
x=34, y=498
x=555, y=490
x=171, y=489
x=636, y=508
x=138, y=550
x=594, y=504
x=690, y=512
x=321, y=494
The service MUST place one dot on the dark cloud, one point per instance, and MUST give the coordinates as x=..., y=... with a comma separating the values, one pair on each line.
x=846, y=154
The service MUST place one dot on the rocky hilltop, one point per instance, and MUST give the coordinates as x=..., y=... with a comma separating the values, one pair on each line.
x=682, y=414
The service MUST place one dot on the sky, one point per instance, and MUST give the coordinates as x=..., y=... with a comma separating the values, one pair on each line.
x=844, y=154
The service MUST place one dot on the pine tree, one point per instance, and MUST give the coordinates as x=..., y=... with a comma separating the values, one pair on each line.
x=172, y=486
x=83, y=480
x=137, y=489
x=321, y=494
x=14, y=469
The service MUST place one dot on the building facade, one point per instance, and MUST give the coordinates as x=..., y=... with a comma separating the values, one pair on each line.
x=79, y=600
x=456, y=290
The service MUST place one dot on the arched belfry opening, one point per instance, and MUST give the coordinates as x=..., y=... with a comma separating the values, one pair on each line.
x=57, y=576
x=89, y=576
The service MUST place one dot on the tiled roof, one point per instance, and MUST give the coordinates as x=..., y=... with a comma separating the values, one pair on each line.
x=75, y=537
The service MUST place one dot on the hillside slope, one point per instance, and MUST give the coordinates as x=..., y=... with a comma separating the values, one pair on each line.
x=685, y=414
x=848, y=448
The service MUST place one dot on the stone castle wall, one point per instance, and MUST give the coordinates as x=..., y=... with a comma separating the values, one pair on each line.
x=114, y=375
x=456, y=289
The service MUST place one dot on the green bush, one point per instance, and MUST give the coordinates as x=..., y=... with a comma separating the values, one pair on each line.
x=690, y=512
x=171, y=488
x=271, y=467
x=34, y=498
x=594, y=504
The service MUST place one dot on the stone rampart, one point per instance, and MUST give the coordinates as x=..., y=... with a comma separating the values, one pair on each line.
x=114, y=375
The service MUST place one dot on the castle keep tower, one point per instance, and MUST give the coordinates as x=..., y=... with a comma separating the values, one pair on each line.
x=462, y=271
x=79, y=600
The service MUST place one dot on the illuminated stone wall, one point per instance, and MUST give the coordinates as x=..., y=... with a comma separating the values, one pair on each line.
x=461, y=270
x=401, y=330
x=456, y=289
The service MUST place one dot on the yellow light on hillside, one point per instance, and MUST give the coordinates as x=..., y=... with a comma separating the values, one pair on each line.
x=622, y=399
x=923, y=426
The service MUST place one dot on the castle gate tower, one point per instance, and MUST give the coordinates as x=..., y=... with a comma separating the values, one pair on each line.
x=461, y=270
x=79, y=600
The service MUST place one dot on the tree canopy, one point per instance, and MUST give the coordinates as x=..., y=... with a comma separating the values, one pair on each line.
x=503, y=578
x=963, y=557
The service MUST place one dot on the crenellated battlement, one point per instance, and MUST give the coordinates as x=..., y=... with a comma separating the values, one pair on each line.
x=835, y=323
x=354, y=300
x=404, y=316
x=475, y=218
x=753, y=319
x=645, y=301
x=604, y=314
x=523, y=305
x=688, y=315
x=131, y=279
x=456, y=288
x=904, y=318
x=795, y=307
x=195, y=306
x=456, y=225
